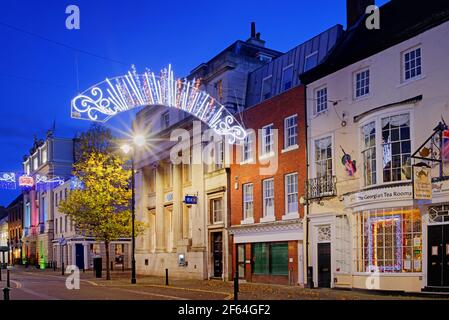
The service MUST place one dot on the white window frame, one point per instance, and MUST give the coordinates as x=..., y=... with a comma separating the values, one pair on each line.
x=288, y=194
x=268, y=196
x=314, y=162
x=318, y=102
x=291, y=66
x=364, y=88
x=264, y=152
x=404, y=62
x=286, y=132
x=246, y=217
x=213, y=209
x=248, y=148
x=364, y=148
x=262, y=98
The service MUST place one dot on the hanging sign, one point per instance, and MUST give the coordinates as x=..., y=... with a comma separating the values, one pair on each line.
x=422, y=183
x=191, y=200
x=26, y=181
x=445, y=146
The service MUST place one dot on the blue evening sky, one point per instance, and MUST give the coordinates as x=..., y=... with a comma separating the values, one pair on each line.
x=38, y=77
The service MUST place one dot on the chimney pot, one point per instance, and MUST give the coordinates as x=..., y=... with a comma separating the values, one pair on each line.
x=253, y=29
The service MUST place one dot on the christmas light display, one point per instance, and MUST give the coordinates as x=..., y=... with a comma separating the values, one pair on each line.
x=112, y=96
x=372, y=241
x=13, y=180
x=7, y=180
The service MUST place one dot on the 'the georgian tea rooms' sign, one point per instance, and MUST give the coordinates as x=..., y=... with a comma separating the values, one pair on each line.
x=379, y=195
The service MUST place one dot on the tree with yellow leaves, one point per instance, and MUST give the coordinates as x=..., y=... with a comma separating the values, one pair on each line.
x=101, y=206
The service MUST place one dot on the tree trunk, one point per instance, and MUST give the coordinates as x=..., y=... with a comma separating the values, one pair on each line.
x=108, y=270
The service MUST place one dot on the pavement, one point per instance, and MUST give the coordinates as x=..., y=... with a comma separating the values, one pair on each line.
x=34, y=284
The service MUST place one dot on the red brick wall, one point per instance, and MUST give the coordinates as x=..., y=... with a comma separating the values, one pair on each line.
x=274, y=110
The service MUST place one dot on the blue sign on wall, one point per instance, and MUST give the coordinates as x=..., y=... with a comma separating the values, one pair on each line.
x=191, y=200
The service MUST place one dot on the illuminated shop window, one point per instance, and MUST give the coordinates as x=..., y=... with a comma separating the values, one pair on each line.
x=388, y=241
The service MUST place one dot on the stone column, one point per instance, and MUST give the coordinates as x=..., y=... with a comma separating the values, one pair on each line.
x=177, y=205
x=160, y=241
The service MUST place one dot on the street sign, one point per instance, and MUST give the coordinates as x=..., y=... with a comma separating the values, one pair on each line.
x=62, y=241
x=191, y=200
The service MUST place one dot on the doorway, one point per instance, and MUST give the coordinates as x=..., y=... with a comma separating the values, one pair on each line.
x=79, y=256
x=324, y=265
x=438, y=256
x=217, y=254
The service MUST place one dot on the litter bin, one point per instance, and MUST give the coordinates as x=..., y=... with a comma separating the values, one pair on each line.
x=98, y=267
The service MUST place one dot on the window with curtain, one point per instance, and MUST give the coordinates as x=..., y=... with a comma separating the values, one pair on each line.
x=369, y=153
x=247, y=154
x=396, y=147
x=267, y=139
x=323, y=157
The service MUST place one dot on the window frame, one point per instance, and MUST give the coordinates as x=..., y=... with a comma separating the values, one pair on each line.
x=404, y=64
x=314, y=162
x=165, y=120
x=244, y=193
x=364, y=88
x=262, y=95
x=310, y=55
x=248, y=141
x=286, y=136
x=213, y=211
x=283, y=89
x=265, y=197
x=318, y=100
x=288, y=194
x=264, y=144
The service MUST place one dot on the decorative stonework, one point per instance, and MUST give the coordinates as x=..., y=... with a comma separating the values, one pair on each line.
x=324, y=233
x=268, y=227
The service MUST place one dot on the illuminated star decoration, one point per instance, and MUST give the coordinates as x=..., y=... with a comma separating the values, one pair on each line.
x=112, y=96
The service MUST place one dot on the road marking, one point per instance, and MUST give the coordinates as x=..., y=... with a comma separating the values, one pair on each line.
x=17, y=283
x=151, y=294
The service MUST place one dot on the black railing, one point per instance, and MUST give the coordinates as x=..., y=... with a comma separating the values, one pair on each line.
x=321, y=187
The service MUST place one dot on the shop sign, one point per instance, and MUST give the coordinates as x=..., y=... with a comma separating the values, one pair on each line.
x=422, y=183
x=379, y=195
x=440, y=187
x=191, y=200
x=26, y=181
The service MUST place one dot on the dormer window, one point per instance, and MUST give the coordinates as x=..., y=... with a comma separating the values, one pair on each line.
x=35, y=163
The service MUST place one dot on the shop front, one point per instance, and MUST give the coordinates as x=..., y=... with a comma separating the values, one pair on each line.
x=267, y=254
x=387, y=240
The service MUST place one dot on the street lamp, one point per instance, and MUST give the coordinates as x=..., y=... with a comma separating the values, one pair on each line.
x=139, y=141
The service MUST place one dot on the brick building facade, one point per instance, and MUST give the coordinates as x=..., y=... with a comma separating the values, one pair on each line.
x=268, y=175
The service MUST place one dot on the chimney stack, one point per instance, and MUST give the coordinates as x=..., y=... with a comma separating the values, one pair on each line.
x=255, y=37
x=356, y=9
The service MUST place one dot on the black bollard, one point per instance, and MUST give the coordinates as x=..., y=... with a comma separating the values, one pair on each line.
x=8, y=284
x=123, y=267
x=112, y=266
x=6, y=294
x=62, y=269
x=166, y=277
x=236, y=286
x=54, y=265
x=1, y=274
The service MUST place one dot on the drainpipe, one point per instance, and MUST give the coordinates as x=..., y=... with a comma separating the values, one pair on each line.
x=309, y=270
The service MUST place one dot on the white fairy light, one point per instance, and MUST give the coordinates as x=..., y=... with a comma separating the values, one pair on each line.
x=104, y=100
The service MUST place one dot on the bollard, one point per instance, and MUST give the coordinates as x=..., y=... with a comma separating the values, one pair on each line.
x=84, y=269
x=6, y=294
x=8, y=284
x=54, y=265
x=166, y=277
x=62, y=268
x=1, y=274
x=236, y=286
x=123, y=267
x=112, y=266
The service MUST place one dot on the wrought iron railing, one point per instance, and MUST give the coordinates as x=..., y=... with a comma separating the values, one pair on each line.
x=320, y=187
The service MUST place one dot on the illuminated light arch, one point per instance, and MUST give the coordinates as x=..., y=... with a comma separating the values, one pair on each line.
x=108, y=98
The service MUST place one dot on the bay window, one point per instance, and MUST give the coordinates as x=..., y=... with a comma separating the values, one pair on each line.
x=369, y=153
x=396, y=148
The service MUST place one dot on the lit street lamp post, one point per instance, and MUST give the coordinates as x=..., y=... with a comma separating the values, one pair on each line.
x=138, y=141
